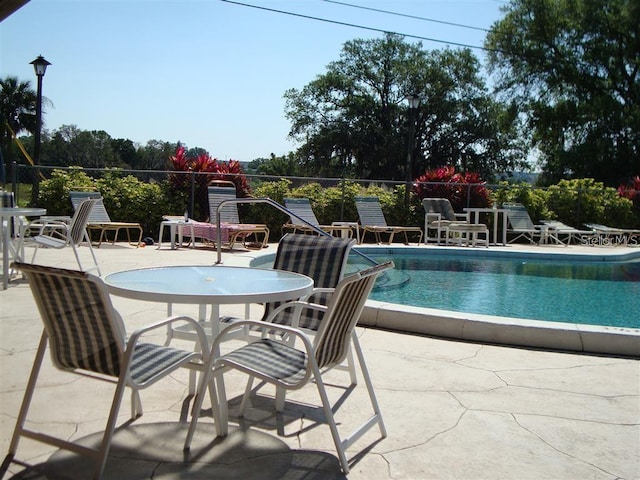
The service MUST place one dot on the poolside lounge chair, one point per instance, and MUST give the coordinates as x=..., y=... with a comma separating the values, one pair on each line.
x=456, y=227
x=521, y=225
x=59, y=234
x=305, y=221
x=372, y=220
x=100, y=221
x=230, y=219
x=87, y=337
x=566, y=234
x=291, y=367
x=615, y=236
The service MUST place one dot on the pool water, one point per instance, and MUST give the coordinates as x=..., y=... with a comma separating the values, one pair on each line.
x=598, y=293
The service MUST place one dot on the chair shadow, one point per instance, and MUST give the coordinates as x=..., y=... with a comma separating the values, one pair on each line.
x=154, y=450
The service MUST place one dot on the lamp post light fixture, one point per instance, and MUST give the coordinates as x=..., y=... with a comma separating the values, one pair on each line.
x=414, y=102
x=40, y=67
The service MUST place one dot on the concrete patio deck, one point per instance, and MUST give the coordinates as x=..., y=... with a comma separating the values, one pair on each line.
x=453, y=409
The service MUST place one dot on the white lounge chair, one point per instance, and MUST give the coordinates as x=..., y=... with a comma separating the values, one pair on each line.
x=305, y=221
x=372, y=220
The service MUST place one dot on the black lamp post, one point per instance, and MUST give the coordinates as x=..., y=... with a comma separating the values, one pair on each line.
x=414, y=103
x=40, y=67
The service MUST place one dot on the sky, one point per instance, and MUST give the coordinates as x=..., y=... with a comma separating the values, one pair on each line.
x=207, y=73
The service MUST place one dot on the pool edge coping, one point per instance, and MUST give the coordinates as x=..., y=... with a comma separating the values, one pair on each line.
x=586, y=338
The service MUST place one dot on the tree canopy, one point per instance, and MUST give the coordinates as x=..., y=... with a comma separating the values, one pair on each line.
x=353, y=119
x=572, y=68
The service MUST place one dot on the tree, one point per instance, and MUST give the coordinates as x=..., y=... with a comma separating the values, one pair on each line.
x=573, y=66
x=18, y=109
x=352, y=119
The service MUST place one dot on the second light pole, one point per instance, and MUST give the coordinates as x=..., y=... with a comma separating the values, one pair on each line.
x=414, y=103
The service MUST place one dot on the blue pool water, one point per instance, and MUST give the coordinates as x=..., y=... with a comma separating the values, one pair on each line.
x=586, y=292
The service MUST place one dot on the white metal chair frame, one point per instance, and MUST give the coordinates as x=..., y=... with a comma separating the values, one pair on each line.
x=88, y=338
x=51, y=233
x=372, y=220
x=276, y=362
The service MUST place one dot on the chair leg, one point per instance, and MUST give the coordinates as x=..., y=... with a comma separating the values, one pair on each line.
x=328, y=413
x=26, y=402
x=245, y=396
x=369, y=384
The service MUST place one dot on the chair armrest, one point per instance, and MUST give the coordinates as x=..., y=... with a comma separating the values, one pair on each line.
x=202, y=337
x=432, y=217
x=464, y=216
x=267, y=328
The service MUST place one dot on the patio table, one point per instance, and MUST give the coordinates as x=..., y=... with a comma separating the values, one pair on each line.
x=6, y=214
x=474, y=217
x=208, y=285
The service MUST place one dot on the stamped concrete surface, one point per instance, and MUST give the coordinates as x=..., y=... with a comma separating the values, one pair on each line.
x=453, y=410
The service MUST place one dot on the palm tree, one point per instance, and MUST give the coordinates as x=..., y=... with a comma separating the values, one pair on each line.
x=18, y=112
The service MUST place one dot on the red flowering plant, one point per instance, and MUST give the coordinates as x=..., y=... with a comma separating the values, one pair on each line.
x=462, y=190
x=631, y=191
x=206, y=169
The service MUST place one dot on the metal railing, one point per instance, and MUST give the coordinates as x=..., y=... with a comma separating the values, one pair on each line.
x=277, y=206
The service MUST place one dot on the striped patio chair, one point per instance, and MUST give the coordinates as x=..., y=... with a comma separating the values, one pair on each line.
x=101, y=222
x=304, y=220
x=372, y=220
x=290, y=367
x=87, y=336
x=230, y=219
x=48, y=232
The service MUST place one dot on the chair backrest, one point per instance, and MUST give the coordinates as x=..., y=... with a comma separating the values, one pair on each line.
x=302, y=208
x=518, y=216
x=84, y=330
x=80, y=219
x=99, y=213
x=441, y=206
x=342, y=315
x=229, y=212
x=370, y=212
x=320, y=257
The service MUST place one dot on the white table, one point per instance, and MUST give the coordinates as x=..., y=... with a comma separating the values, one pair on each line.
x=208, y=285
x=475, y=212
x=6, y=214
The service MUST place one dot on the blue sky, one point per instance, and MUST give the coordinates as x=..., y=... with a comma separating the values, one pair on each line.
x=207, y=73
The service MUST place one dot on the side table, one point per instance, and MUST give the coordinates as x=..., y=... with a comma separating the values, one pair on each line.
x=175, y=227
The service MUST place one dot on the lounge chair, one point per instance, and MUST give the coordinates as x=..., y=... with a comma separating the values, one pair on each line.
x=100, y=221
x=372, y=220
x=566, y=234
x=87, y=337
x=230, y=219
x=304, y=220
x=456, y=227
x=291, y=367
x=50, y=233
x=614, y=236
x=521, y=225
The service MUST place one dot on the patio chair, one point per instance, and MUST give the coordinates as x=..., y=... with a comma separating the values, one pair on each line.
x=100, y=221
x=566, y=232
x=87, y=337
x=51, y=233
x=372, y=220
x=440, y=216
x=304, y=220
x=322, y=258
x=613, y=235
x=290, y=367
x=230, y=220
x=520, y=223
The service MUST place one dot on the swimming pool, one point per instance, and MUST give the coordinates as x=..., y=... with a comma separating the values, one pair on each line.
x=581, y=291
